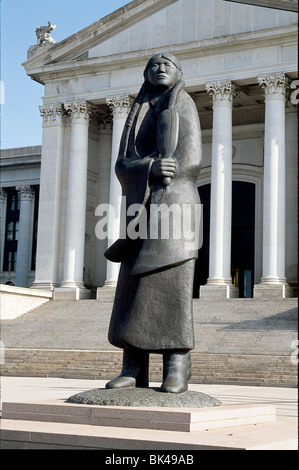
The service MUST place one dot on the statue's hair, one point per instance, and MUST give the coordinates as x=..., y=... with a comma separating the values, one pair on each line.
x=136, y=105
x=172, y=99
x=174, y=94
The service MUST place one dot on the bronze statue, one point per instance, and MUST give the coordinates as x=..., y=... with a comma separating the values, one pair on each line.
x=158, y=164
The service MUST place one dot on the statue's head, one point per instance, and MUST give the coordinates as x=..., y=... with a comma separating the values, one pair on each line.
x=163, y=70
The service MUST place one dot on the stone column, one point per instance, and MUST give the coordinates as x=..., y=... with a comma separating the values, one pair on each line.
x=25, y=235
x=3, y=199
x=46, y=273
x=76, y=200
x=219, y=282
x=103, y=184
x=120, y=107
x=273, y=282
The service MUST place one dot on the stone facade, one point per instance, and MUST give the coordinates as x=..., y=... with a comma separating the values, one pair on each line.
x=239, y=62
x=19, y=194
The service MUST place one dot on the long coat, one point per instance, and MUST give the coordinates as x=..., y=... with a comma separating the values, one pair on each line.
x=153, y=300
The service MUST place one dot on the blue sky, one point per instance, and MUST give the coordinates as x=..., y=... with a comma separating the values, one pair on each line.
x=21, y=124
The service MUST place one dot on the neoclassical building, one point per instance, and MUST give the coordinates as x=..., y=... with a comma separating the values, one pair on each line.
x=240, y=68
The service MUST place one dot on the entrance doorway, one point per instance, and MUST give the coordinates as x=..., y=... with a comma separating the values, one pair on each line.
x=243, y=229
x=242, y=256
x=201, y=272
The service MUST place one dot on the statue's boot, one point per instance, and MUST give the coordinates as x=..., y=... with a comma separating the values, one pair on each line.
x=176, y=371
x=134, y=371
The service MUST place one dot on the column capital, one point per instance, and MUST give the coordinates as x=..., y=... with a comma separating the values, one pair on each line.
x=3, y=195
x=26, y=192
x=119, y=105
x=275, y=86
x=50, y=112
x=222, y=92
x=79, y=110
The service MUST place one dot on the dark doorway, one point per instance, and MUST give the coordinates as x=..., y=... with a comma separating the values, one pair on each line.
x=201, y=273
x=243, y=227
x=242, y=257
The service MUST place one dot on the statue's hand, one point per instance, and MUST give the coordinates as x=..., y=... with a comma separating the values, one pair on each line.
x=163, y=168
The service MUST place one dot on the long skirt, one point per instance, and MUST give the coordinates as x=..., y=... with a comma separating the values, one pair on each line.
x=153, y=311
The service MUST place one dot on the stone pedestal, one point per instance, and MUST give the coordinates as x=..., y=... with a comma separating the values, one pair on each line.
x=204, y=413
x=227, y=291
x=106, y=290
x=71, y=293
x=37, y=49
x=275, y=291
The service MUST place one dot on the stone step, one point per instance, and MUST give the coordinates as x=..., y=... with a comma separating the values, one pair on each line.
x=206, y=368
x=179, y=419
x=33, y=435
x=16, y=301
x=281, y=434
x=209, y=310
x=237, y=341
x=233, y=326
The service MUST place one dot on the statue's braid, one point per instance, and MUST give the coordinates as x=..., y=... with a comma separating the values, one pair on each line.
x=174, y=94
x=136, y=105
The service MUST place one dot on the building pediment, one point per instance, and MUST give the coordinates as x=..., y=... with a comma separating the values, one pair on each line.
x=78, y=45
x=140, y=28
x=220, y=39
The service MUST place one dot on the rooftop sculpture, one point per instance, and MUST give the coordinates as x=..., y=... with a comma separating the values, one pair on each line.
x=43, y=34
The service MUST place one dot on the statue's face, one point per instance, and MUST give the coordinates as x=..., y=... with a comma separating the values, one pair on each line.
x=163, y=73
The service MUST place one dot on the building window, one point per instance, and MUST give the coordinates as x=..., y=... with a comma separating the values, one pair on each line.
x=12, y=230
x=35, y=221
x=11, y=261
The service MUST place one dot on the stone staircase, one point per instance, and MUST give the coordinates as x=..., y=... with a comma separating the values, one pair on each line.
x=245, y=341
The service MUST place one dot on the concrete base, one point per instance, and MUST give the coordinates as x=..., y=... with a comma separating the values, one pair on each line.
x=71, y=293
x=44, y=285
x=104, y=291
x=221, y=291
x=280, y=434
x=110, y=285
x=137, y=397
x=34, y=435
x=167, y=419
x=275, y=291
x=37, y=49
x=57, y=425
